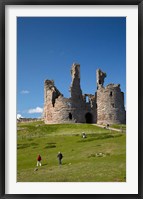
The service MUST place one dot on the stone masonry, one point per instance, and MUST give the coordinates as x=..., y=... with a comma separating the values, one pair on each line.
x=106, y=106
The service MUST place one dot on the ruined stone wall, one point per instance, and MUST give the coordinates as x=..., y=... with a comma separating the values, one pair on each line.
x=66, y=112
x=60, y=113
x=56, y=107
x=75, y=109
x=105, y=107
x=110, y=105
x=100, y=76
x=23, y=120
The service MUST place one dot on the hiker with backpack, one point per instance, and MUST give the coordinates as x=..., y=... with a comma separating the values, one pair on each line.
x=39, y=160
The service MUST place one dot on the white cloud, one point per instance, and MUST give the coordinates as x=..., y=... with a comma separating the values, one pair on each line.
x=35, y=110
x=25, y=92
x=19, y=116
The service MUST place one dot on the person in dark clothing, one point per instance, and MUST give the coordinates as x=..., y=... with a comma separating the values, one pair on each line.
x=60, y=156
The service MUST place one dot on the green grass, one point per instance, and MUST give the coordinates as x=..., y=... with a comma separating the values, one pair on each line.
x=81, y=162
x=119, y=126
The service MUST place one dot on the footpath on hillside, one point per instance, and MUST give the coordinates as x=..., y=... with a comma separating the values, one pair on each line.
x=110, y=128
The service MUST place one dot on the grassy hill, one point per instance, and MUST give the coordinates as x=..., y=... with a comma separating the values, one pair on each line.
x=101, y=157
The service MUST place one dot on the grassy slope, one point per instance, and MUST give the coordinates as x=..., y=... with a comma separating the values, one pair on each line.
x=119, y=126
x=80, y=163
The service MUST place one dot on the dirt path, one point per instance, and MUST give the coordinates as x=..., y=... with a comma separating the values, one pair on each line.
x=110, y=128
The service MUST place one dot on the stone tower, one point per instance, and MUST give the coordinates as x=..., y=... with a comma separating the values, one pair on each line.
x=82, y=110
x=110, y=102
x=76, y=92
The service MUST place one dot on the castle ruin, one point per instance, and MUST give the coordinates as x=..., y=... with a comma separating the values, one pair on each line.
x=106, y=106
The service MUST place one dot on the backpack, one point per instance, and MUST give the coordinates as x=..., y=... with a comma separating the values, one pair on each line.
x=39, y=158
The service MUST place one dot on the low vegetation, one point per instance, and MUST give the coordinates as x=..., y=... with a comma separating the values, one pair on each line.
x=100, y=157
x=122, y=127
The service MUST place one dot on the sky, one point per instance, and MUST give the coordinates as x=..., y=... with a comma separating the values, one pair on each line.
x=48, y=46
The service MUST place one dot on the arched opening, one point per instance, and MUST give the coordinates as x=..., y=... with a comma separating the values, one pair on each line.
x=111, y=94
x=88, y=118
x=70, y=116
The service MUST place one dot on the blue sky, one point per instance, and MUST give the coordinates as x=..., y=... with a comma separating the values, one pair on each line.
x=48, y=46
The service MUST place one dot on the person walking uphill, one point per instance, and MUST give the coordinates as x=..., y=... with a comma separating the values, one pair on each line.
x=60, y=156
x=39, y=160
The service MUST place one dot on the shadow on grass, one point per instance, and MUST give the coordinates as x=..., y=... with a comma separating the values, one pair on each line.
x=92, y=137
x=49, y=146
x=23, y=146
x=44, y=164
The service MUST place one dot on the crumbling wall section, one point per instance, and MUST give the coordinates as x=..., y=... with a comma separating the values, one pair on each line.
x=58, y=109
x=51, y=94
x=60, y=113
x=100, y=76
